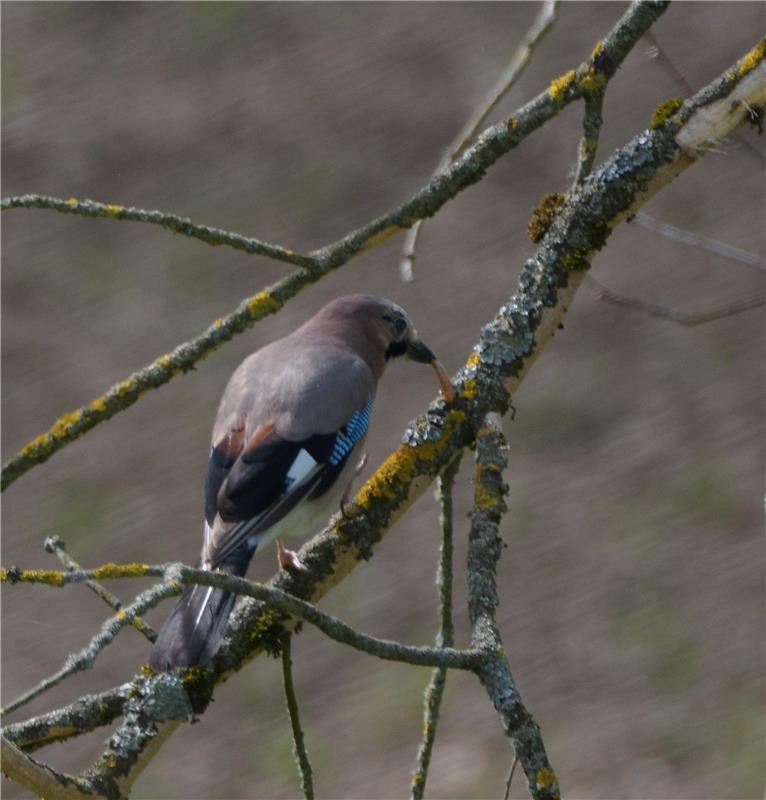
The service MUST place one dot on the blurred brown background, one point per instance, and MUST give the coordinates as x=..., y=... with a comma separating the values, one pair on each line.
x=633, y=582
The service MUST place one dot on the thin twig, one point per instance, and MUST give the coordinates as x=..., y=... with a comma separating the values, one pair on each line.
x=300, y=752
x=592, y=122
x=173, y=223
x=84, y=659
x=177, y=574
x=687, y=318
x=703, y=242
x=55, y=544
x=509, y=779
x=86, y=714
x=542, y=23
x=444, y=638
x=665, y=60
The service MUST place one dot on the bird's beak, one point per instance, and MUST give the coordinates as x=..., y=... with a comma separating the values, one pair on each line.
x=417, y=351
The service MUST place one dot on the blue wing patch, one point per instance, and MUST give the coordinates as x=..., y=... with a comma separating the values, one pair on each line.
x=263, y=485
x=351, y=433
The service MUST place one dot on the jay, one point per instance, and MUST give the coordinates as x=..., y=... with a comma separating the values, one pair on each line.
x=286, y=443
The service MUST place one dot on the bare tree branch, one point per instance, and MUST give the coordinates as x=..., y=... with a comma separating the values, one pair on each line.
x=55, y=544
x=667, y=63
x=495, y=142
x=444, y=638
x=177, y=574
x=85, y=658
x=509, y=779
x=592, y=122
x=687, y=318
x=300, y=752
x=484, y=549
x=174, y=223
x=86, y=714
x=542, y=23
x=703, y=242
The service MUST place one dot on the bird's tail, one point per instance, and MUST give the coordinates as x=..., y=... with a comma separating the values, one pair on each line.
x=194, y=630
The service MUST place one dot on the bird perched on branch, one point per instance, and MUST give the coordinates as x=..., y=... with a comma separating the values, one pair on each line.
x=286, y=443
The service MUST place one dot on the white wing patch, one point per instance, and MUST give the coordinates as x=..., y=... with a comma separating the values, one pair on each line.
x=300, y=468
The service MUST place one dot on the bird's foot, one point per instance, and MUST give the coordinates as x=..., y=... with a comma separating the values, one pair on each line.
x=344, y=501
x=288, y=559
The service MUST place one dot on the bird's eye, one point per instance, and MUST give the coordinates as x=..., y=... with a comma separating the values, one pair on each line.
x=400, y=326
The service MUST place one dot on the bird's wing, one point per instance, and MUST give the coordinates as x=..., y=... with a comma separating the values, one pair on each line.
x=255, y=483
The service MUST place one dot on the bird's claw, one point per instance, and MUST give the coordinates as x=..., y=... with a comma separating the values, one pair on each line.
x=288, y=559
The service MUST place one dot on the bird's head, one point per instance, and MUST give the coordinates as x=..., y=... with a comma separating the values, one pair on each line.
x=385, y=332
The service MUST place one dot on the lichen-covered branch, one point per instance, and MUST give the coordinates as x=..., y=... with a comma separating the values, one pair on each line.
x=55, y=544
x=300, y=752
x=177, y=574
x=484, y=549
x=39, y=778
x=659, y=52
x=495, y=142
x=174, y=223
x=509, y=345
x=444, y=638
x=542, y=23
x=592, y=122
x=86, y=714
x=84, y=659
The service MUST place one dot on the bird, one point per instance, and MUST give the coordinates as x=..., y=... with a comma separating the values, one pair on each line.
x=286, y=440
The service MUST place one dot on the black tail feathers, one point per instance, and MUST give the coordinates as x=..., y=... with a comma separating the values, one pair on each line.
x=195, y=628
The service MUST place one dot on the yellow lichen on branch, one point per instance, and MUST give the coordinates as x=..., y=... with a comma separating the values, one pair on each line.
x=546, y=778
x=751, y=60
x=111, y=570
x=395, y=475
x=665, y=111
x=543, y=216
x=51, y=577
x=380, y=237
x=558, y=86
x=55, y=577
x=262, y=304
